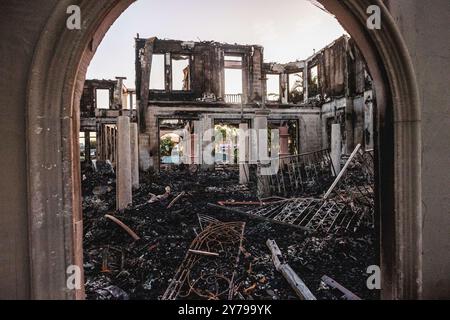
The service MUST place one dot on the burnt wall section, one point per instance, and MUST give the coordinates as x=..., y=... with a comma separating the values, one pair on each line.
x=89, y=98
x=98, y=117
x=336, y=71
x=116, y=96
x=334, y=80
x=206, y=69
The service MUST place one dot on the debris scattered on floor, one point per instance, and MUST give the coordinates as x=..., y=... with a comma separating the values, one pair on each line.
x=119, y=267
x=346, y=205
x=154, y=198
x=123, y=226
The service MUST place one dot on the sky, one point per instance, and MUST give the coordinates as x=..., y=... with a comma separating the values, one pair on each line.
x=288, y=30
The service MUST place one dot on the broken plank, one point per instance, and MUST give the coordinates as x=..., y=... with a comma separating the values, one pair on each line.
x=204, y=253
x=176, y=199
x=336, y=285
x=288, y=273
x=123, y=226
x=344, y=169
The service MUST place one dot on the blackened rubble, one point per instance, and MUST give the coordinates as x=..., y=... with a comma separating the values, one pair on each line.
x=116, y=267
x=322, y=110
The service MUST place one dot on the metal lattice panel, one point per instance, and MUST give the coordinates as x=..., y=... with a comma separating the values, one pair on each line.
x=208, y=270
x=312, y=214
x=307, y=173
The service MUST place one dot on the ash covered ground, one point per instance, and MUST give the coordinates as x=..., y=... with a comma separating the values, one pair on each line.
x=117, y=267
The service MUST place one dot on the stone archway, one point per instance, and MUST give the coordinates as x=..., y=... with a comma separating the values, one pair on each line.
x=55, y=85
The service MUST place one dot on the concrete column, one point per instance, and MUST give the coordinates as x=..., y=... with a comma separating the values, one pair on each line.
x=305, y=82
x=284, y=92
x=284, y=143
x=99, y=142
x=131, y=100
x=113, y=144
x=87, y=146
x=123, y=167
x=230, y=151
x=207, y=143
x=192, y=149
x=104, y=143
x=186, y=145
x=134, y=145
x=198, y=142
x=261, y=125
x=336, y=147
x=149, y=142
x=243, y=145
x=145, y=162
x=368, y=120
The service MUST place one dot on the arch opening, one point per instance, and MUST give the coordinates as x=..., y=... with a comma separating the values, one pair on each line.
x=386, y=68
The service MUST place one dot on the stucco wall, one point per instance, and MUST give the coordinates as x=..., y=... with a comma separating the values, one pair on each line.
x=425, y=26
x=20, y=27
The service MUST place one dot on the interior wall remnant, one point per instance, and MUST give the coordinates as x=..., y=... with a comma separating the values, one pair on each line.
x=358, y=120
x=144, y=58
x=120, y=94
x=313, y=81
x=369, y=120
x=332, y=68
x=310, y=133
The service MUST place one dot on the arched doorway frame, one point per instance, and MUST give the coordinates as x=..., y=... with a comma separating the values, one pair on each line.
x=54, y=185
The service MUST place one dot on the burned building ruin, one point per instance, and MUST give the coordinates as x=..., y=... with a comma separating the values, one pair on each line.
x=304, y=97
x=322, y=108
x=60, y=215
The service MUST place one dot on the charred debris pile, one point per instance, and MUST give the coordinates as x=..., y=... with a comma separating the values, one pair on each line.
x=203, y=236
